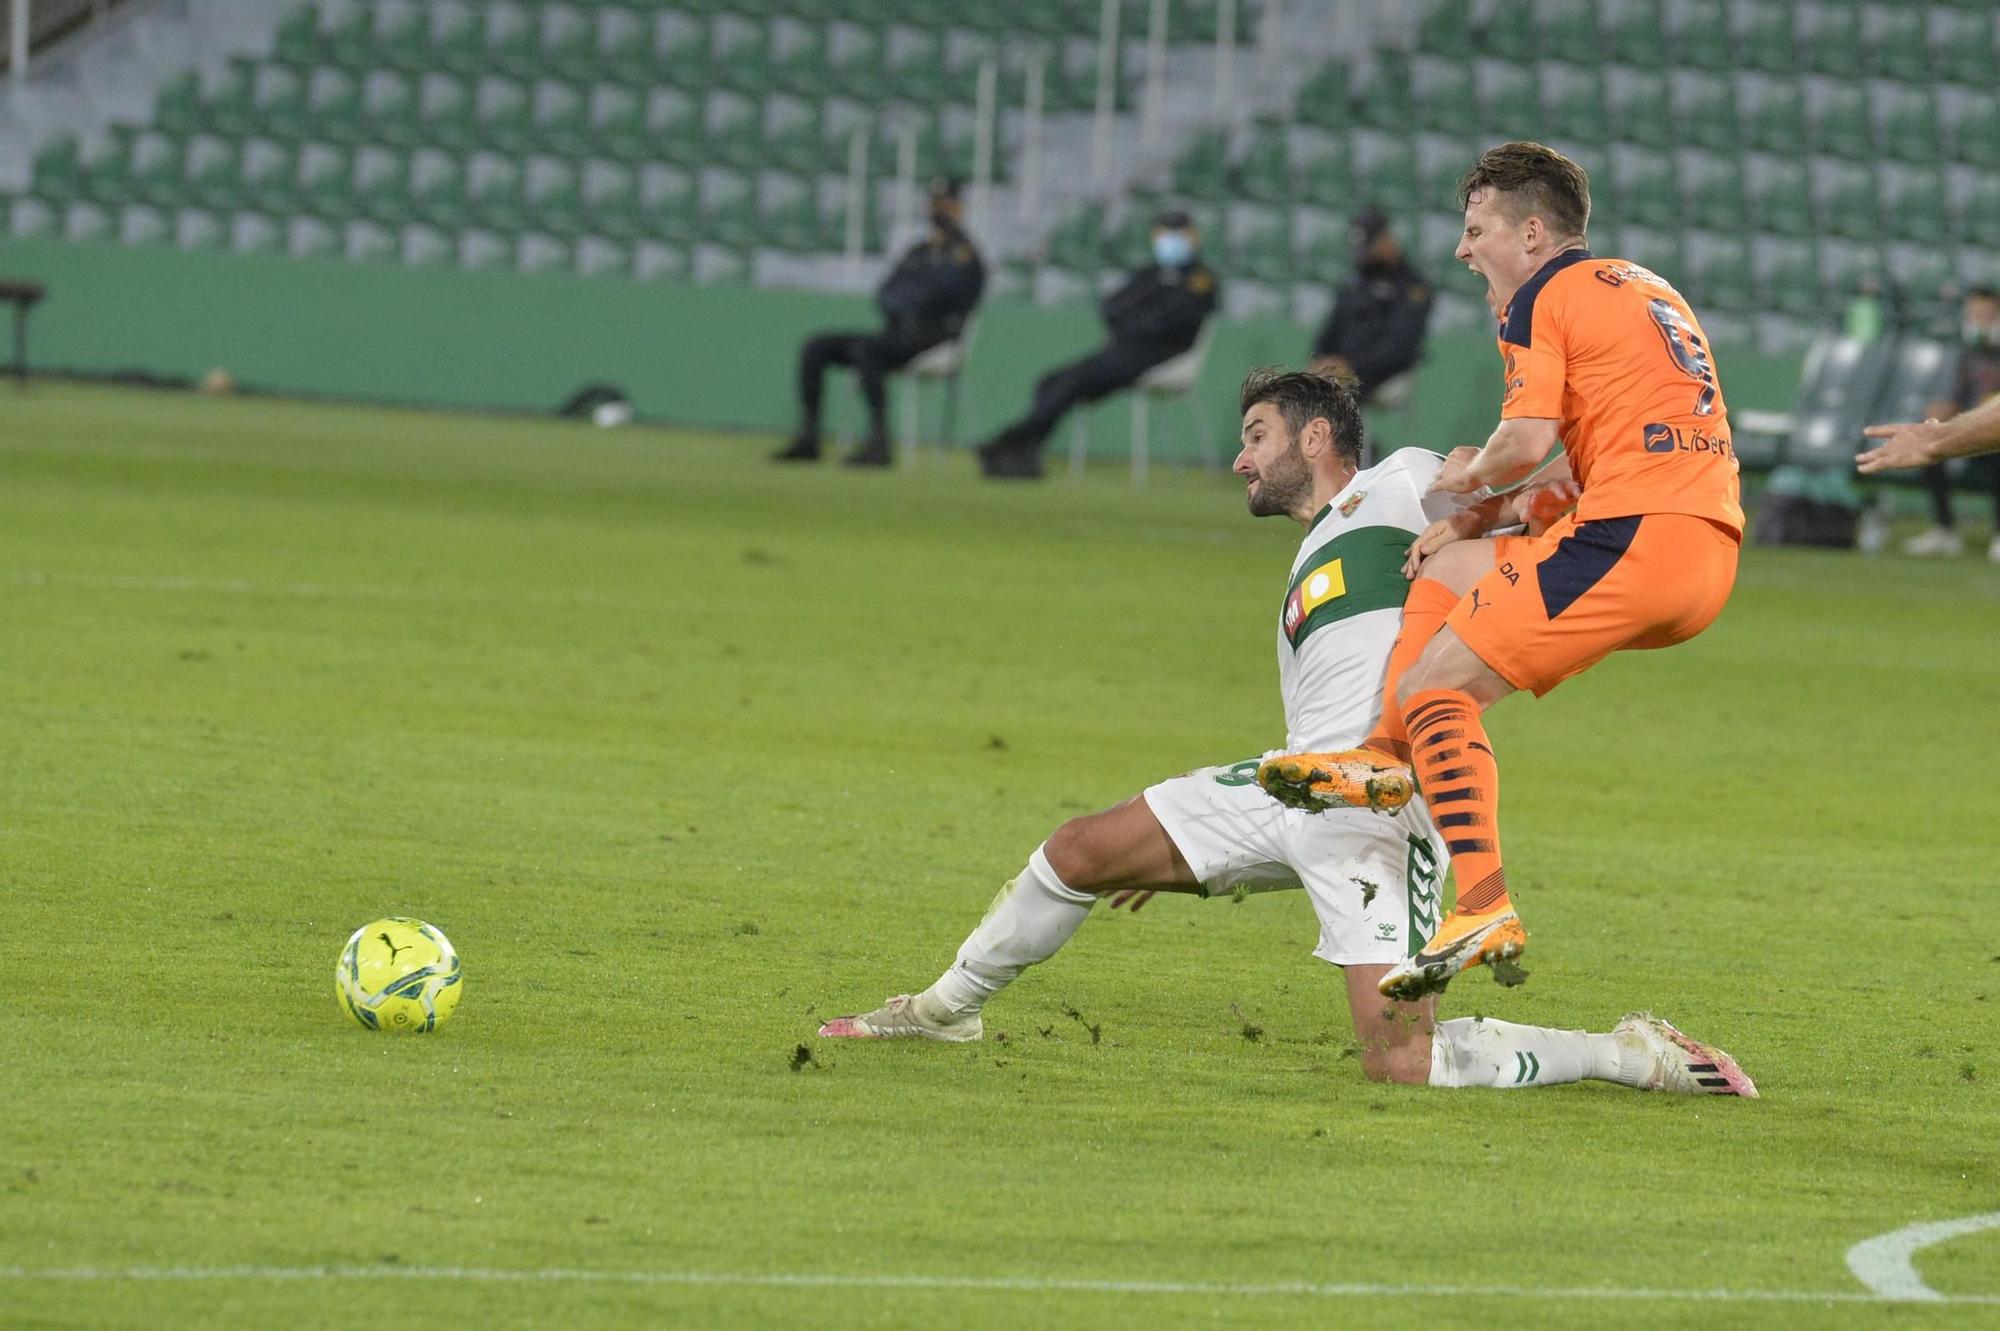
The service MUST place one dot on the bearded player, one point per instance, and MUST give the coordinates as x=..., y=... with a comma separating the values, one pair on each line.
x=1604, y=357
x=1372, y=874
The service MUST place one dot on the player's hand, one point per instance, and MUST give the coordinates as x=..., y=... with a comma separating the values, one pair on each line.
x=1540, y=505
x=1906, y=446
x=1462, y=526
x=1456, y=478
x=1130, y=896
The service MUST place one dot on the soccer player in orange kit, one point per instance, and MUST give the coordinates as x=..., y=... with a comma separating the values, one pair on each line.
x=1605, y=358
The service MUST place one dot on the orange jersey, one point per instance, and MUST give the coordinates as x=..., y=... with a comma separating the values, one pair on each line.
x=1612, y=353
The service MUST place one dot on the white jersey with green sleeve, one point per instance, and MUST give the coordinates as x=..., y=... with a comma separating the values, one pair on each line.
x=1345, y=602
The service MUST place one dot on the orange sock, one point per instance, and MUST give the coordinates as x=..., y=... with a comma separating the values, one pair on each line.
x=1423, y=615
x=1461, y=781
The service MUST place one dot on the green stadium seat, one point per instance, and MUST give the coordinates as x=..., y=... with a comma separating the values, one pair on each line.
x=1636, y=35
x=1323, y=101
x=1386, y=102
x=798, y=59
x=610, y=193
x=333, y=106
x=1260, y=244
x=214, y=169
x=231, y=108
x=1712, y=191
x=1721, y=276
x=349, y=41
x=1975, y=132
x=271, y=176
x=1981, y=218
x=493, y=192
x=1766, y=38
x=1571, y=32
x=1777, y=123
x=1843, y=127
x=1656, y=250
x=1263, y=171
x=1909, y=126
x=159, y=169
x=382, y=186
x=1707, y=113
x=1390, y=182
x=1699, y=39
x=403, y=40
x=503, y=115
x=437, y=189
x=792, y=138
x=788, y=214
x=1647, y=194
x=1196, y=21
x=740, y=54
x=254, y=233
x=1789, y=281
x=1446, y=30
x=1640, y=112
x=560, y=113
x=106, y=175
x=444, y=112
x=1325, y=254
x=199, y=229
x=458, y=41
x=914, y=63
x=389, y=109
x=1964, y=50
x=511, y=41
x=1508, y=100
x=1916, y=207
x=297, y=40
x=1780, y=197
x=732, y=129
x=278, y=104
x=617, y=120
x=729, y=210
x=1897, y=48
x=178, y=109
x=553, y=193
x=1321, y=172
x=1202, y=169
x=1831, y=40
x=855, y=62
x=326, y=183
x=1076, y=243
x=569, y=45
x=1574, y=105
x=1511, y=33
x=1848, y=202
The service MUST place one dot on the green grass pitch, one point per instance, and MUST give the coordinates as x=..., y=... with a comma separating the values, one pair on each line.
x=686, y=752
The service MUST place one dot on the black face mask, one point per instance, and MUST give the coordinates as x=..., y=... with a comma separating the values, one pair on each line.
x=942, y=219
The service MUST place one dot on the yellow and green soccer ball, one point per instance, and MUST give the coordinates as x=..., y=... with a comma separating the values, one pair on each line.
x=399, y=975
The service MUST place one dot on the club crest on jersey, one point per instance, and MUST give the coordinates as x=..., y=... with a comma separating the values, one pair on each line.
x=1353, y=502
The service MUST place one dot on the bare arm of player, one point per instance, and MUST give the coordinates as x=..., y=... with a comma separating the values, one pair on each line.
x=1511, y=455
x=1976, y=431
x=1535, y=506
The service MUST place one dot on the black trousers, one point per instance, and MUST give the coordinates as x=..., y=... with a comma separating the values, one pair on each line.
x=872, y=356
x=1100, y=374
x=1984, y=470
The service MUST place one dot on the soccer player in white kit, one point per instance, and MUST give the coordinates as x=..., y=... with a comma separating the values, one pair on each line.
x=1373, y=878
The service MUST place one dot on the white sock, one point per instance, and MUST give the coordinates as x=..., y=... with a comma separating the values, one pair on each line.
x=1478, y=1051
x=1031, y=918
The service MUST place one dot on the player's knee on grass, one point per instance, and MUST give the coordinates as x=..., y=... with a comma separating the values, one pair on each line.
x=1406, y=1064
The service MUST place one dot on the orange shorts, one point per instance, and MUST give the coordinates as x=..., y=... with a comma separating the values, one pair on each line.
x=1557, y=604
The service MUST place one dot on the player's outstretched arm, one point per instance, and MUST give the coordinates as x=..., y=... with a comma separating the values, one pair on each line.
x=1920, y=445
x=1511, y=455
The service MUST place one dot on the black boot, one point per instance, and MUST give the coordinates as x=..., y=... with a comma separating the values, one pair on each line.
x=1007, y=456
x=875, y=453
x=803, y=448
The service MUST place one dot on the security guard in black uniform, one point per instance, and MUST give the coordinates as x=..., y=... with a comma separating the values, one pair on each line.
x=925, y=301
x=1377, y=325
x=1154, y=317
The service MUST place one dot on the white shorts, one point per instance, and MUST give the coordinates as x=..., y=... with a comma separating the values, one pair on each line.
x=1373, y=878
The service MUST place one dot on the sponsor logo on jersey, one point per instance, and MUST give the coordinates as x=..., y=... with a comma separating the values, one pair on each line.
x=1325, y=583
x=1352, y=502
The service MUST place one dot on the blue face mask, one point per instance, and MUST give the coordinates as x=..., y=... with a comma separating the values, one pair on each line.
x=1171, y=249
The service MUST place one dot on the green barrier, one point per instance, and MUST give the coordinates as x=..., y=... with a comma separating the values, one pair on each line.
x=712, y=356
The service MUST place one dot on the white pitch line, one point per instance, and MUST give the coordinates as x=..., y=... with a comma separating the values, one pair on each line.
x=978, y=1284
x=1884, y=1263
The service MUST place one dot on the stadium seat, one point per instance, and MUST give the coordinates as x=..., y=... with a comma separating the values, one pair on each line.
x=502, y=115
x=1571, y=32
x=914, y=63
x=568, y=41
x=333, y=106
x=789, y=216
x=1260, y=244
x=1263, y=172
x=1390, y=181
x=297, y=40
x=444, y=112
x=1446, y=30
x=349, y=40
x=178, y=109
x=1896, y=46
x=509, y=41
x=1712, y=188
x=271, y=177
x=739, y=54
x=1647, y=194
x=1780, y=198
x=669, y=204
x=493, y=192
x=1964, y=47
x=230, y=109
x=855, y=62
x=382, y=186
x=1512, y=33
x=1446, y=100
x=1765, y=37
x=403, y=40
x=105, y=176
x=1777, y=123
x=618, y=120
x=437, y=189
x=1201, y=171
x=389, y=109
x=1636, y=35
x=1916, y=208
x=1842, y=126
x=1720, y=276
x=458, y=39
x=1909, y=125
x=326, y=185
x=1921, y=371
x=1700, y=39
x=1839, y=386
x=1509, y=99
x=1574, y=104
x=1707, y=112
x=732, y=130
x=1982, y=213
x=1639, y=110
x=1324, y=100
x=1788, y=278
x=1831, y=40
x=1975, y=132
x=728, y=209
x=1847, y=201
x=1385, y=101
x=214, y=170
x=1320, y=169
x=278, y=104
x=159, y=174
x=1173, y=379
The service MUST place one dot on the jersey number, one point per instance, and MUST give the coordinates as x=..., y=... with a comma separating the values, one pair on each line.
x=1689, y=353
